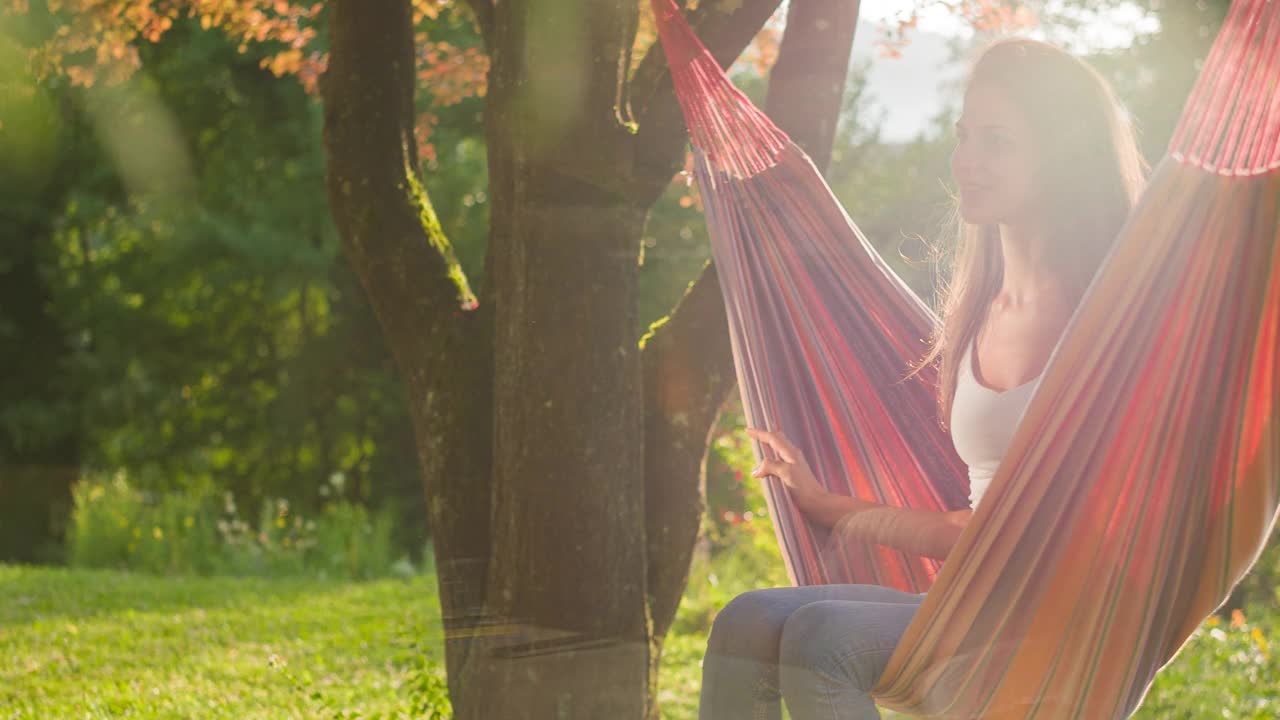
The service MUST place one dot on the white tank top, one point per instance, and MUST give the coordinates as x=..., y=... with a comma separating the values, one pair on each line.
x=982, y=423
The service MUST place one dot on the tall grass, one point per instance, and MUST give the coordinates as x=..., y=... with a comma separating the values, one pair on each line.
x=199, y=530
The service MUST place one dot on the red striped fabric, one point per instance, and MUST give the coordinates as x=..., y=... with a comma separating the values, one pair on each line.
x=820, y=327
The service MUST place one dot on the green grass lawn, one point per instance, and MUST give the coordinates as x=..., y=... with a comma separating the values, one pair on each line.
x=102, y=644
x=105, y=644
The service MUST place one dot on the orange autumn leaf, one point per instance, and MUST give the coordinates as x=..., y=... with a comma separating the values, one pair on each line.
x=451, y=74
x=429, y=9
x=762, y=53
x=110, y=30
x=425, y=123
x=97, y=42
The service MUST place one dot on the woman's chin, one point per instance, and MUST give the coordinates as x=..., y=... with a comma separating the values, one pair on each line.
x=976, y=215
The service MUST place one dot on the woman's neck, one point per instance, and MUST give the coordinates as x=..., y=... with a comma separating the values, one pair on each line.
x=1028, y=274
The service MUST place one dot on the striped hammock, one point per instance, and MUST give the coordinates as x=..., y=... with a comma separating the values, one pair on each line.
x=1142, y=482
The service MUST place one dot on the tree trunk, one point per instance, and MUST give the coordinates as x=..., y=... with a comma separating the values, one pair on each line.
x=418, y=293
x=567, y=569
x=562, y=461
x=807, y=82
x=40, y=445
x=567, y=566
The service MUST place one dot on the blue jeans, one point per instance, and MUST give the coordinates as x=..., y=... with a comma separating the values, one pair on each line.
x=821, y=647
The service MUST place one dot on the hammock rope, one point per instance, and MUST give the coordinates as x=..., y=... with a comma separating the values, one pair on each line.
x=1144, y=478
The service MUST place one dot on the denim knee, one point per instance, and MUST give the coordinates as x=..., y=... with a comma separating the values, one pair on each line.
x=839, y=640
x=749, y=625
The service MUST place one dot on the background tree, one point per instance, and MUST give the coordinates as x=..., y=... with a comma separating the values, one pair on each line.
x=39, y=443
x=179, y=305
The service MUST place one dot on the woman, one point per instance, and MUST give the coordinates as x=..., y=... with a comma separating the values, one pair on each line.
x=1047, y=168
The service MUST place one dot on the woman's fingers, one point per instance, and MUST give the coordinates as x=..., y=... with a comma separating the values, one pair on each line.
x=772, y=467
x=778, y=442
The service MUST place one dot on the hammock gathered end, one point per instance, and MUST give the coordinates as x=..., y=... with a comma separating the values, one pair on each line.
x=734, y=135
x=1231, y=125
x=1144, y=478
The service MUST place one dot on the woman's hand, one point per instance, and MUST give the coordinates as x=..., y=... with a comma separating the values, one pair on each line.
x=791, y=468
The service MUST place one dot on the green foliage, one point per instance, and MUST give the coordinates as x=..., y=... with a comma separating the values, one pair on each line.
x=198, y=530
x=30, y=124
x=101, y=644
x=717, y=579
x=208, y=332
x=352, y=543
x=113, y=526
x=38, y=414
x=1226, y=670
x=1261, y=587
x=430, y=694
x=174, y=301
x=672, y=253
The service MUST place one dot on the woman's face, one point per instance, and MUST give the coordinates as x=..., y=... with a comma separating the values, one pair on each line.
x=994, y=161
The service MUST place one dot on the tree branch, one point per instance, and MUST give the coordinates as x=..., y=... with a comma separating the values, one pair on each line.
x=688, y=376
x=807, y=83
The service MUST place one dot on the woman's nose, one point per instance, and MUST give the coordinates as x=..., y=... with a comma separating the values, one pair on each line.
x=961, y=163
x=965, y=165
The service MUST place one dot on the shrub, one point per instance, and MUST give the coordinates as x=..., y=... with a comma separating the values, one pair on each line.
x=116, y=525
x=199, y=530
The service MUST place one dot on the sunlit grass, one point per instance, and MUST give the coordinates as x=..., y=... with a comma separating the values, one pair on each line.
x=98, y=644
x=106, y=644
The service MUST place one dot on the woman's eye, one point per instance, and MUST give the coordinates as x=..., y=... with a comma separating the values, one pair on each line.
x=998, y=143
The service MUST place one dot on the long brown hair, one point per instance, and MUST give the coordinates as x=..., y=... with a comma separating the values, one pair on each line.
x=1091, y=175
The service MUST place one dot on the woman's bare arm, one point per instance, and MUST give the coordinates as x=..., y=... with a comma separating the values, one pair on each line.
x=922, y=532
x=827, y=508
